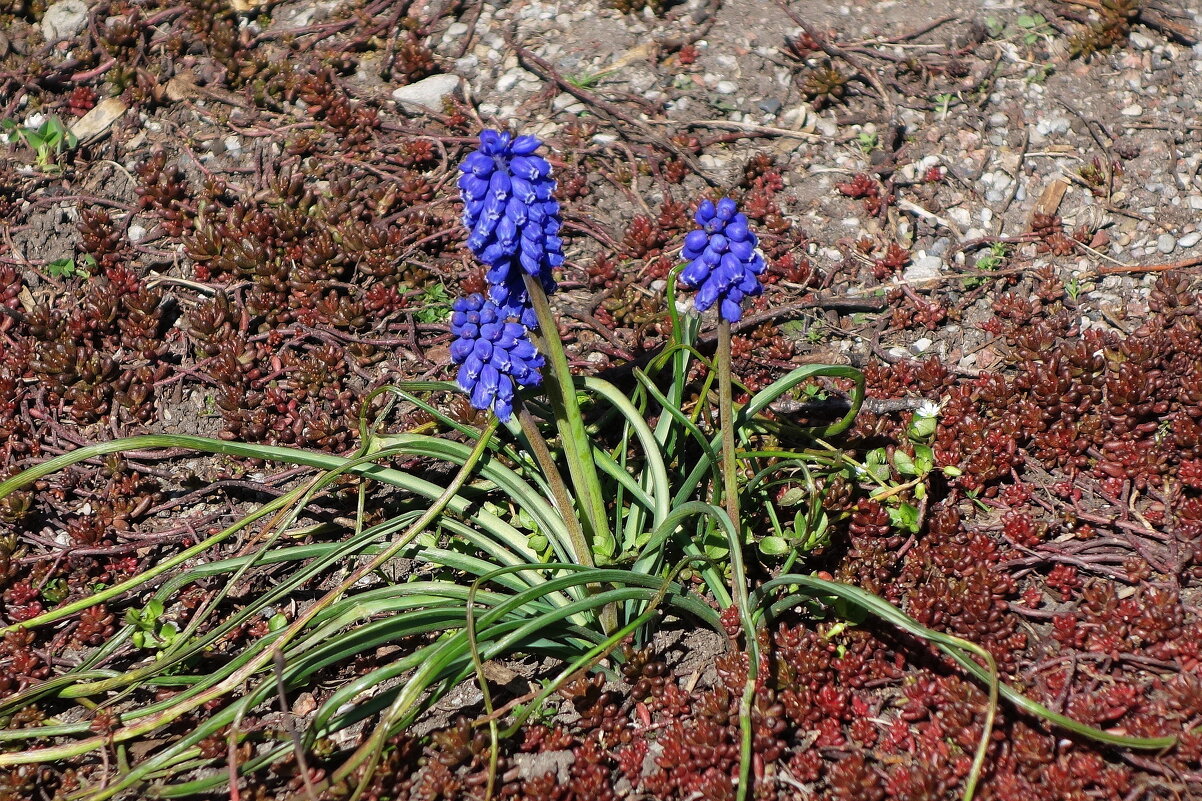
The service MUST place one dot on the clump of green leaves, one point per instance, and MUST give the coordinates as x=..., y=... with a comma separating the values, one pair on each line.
x=992, y=259
x=49, y=141
x=71, y=268
x=585, y=80
x=1027, y=28
x=150, y=631
x=435, y=304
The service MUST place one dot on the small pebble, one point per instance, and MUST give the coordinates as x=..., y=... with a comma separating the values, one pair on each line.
x=770, y=105
x=1133, y=110
x=726, y=87
x=1166, y=243
x=1189, y=240
x=1141, y=40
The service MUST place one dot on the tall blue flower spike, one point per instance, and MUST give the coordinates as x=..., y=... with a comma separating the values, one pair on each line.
x=494, y=354
x=512, y=217
x=724, y=263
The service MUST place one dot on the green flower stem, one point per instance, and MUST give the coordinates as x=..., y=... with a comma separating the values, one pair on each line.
x=563, y=500
x=577, y=447
x=738, y=577
x=726, y=421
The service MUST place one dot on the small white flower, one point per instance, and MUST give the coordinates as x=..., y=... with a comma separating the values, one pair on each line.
x=929, y=409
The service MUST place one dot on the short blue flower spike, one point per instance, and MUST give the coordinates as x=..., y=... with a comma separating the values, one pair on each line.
x=724, y=264
x=512, y=217
x=494, y=354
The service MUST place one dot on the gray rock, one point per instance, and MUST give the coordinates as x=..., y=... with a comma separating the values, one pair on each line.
x=923, y=269
x=1189, y=240
x=507, y=81
x=566, y=102
x=1166, y=243
x=428, y=93
x=940, y=246
x=1141, y=40
x=770, y=105
x=726, y=87
x=64, y=19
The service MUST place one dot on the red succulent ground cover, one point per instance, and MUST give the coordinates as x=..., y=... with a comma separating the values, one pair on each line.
x=265, y=294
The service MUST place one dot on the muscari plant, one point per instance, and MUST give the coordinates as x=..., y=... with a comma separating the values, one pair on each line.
x=572, y=515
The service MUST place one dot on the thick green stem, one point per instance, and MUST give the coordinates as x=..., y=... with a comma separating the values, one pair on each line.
x=726, y=420
x=738, y=576
x=538, y=445
x=577, y=448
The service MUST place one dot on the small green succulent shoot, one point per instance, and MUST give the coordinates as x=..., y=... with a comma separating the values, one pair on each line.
x=48, y=140
x=150, y=631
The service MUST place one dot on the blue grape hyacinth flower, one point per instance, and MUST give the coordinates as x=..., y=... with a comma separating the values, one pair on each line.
x=512, y=217
x=494, y=354
x=724, y=263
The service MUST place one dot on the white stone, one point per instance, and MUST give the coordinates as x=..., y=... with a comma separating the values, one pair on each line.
x=1141, y=40
x=507, y=81
x=135, y=232
x=923, y=269
x=427, y=93
x=64, y=20
x=726, y=87
x=1133, y=110
x=1189, y=240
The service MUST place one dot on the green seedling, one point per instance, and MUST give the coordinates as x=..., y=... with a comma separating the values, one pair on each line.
x=435, y=304
x=995, y=257
x=69, y=268
x=1030, y=28
x=150, y=631
x=867, y=141
x=48, y=141
x=586, y=80
x=1033, y=27
x=943, y=102
x=1073, y=288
